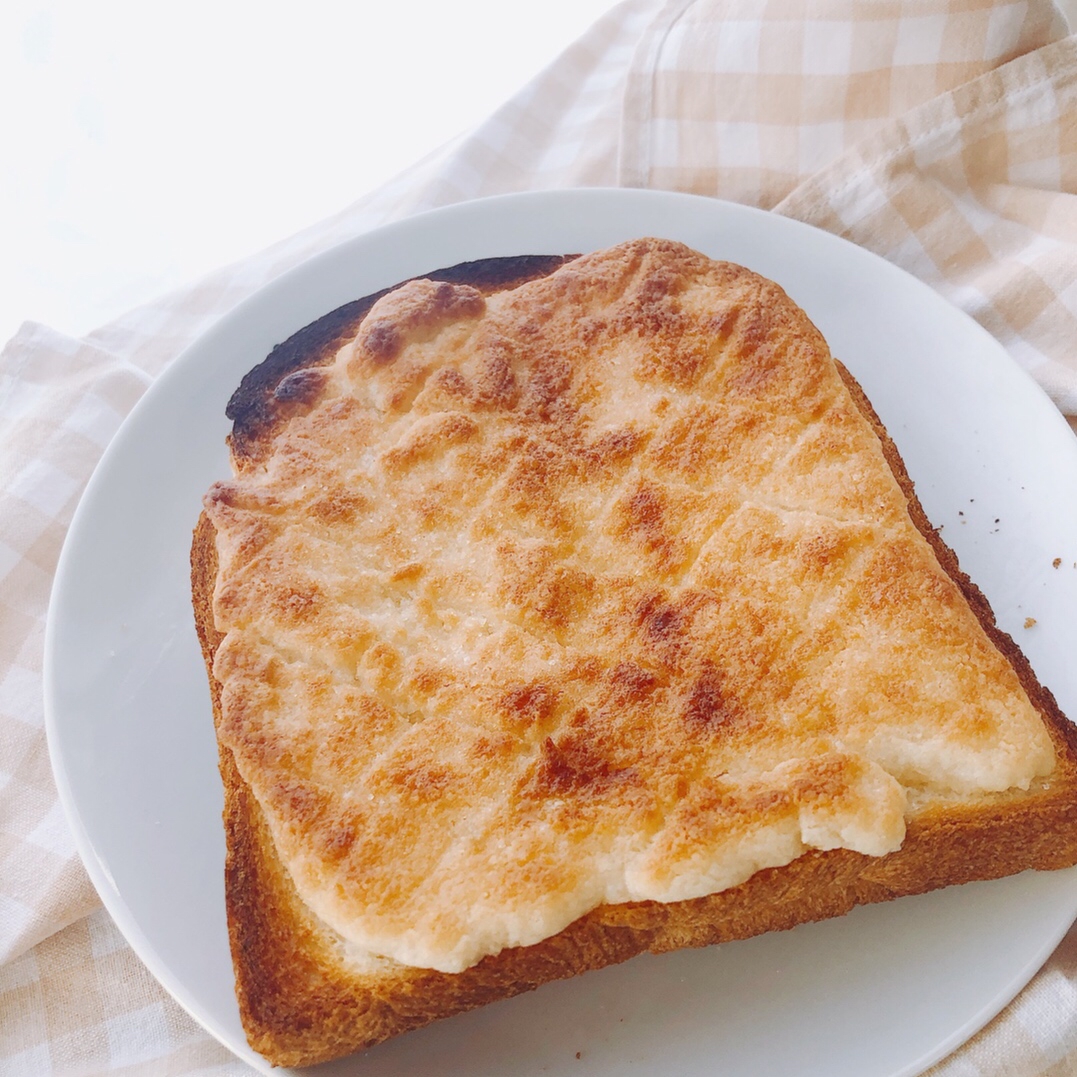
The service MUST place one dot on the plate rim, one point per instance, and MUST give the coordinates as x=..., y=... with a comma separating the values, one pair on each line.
x=281, y=285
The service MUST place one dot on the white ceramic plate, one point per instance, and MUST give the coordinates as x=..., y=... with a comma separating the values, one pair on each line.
x=884, y=991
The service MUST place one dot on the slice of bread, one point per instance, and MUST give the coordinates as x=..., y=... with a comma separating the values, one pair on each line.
x=565, y=609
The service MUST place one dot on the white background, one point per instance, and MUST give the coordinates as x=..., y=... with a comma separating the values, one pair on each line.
x=144, y=144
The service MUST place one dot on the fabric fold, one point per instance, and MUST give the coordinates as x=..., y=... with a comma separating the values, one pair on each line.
x=975, y=194
x=746, y=99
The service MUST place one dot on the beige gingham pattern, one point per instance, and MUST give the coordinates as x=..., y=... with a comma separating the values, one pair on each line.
x=942, y=135
x=748, y=98
x=967, y=193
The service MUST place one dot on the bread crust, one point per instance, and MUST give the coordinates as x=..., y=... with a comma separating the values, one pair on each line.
x=300, y=1003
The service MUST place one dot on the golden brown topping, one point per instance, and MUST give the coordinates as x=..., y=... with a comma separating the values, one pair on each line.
x=300, y=387
x=572, y=768
x=709, y=709
x=411, y=313
x=596, y=590
x=528, y=706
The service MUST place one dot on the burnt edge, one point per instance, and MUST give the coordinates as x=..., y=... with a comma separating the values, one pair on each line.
x=299, y=1005
x=257, y=413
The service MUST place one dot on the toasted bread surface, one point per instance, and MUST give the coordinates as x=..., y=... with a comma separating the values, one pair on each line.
x=551, y=624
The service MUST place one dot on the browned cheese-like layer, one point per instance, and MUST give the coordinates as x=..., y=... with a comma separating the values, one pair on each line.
x=595, y=590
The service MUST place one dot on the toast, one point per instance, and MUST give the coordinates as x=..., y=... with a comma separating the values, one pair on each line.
x=562, y=609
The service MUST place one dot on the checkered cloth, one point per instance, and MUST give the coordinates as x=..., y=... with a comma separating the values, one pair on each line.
x=941, y=134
